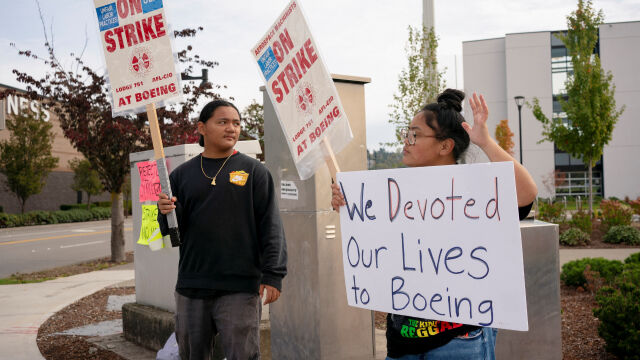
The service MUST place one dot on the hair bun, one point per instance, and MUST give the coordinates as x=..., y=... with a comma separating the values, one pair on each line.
x=452, y=99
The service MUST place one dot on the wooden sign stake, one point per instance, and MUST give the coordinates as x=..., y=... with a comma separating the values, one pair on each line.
x=158, y=151
x=332, y=163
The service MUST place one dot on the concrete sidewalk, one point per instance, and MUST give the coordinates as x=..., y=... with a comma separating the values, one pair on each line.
x=567, y=255
x=23, y=308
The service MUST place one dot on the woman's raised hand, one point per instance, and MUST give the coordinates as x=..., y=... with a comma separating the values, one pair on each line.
x=479, y=133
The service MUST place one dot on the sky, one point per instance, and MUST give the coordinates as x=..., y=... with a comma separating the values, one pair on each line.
x=357, y=38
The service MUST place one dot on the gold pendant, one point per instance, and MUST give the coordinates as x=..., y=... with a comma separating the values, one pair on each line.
x=213, y=181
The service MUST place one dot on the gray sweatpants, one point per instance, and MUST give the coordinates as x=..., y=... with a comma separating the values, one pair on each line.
x=235, y=316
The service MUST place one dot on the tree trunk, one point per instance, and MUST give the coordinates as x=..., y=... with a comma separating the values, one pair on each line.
x=117, y=228
x=89, y=201
x=590, y=189
x=22, y=202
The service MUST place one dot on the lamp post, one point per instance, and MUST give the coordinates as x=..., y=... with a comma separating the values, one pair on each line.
x=520, y=101
x=204, y=77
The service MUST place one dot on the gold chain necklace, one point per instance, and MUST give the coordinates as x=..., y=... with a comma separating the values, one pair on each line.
x=213, y=179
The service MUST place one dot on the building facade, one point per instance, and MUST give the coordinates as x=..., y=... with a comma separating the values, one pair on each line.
x=57, y=190
x=536, y=65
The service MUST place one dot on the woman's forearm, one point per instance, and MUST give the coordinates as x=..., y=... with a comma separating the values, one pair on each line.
x=526, y=189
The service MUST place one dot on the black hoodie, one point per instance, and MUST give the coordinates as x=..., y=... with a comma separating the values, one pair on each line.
x=232, y=235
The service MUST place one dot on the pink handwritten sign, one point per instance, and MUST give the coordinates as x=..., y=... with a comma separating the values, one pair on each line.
x=149, y=181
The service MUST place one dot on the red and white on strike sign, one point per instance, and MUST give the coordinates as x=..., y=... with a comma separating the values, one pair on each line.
x=303, y=94
x=138, y=54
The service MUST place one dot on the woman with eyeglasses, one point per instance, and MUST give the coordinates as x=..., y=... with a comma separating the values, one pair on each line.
x=439, y=135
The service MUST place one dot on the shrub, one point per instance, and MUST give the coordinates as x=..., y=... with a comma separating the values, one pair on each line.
x=553, y=213
x=8, y=220
x=630, y=273
x=622, y=234
x=633, y=258
x=574, y=236
x=573, y=271
x=41, y=217
x=100, y=213
x=53, y=217
x=635, y=205
x=619, y=314
x=581, y=220
x=80, y=215
x=615, y=213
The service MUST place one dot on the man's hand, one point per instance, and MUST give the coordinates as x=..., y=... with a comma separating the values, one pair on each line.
x=272, y=293
x=165, y=205
x=337, y=199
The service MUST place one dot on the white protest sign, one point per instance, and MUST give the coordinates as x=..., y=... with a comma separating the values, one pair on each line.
x=301, y=89
x=439, y=243
x=137, y=48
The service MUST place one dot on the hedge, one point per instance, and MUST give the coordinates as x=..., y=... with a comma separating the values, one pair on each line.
x=53, y=217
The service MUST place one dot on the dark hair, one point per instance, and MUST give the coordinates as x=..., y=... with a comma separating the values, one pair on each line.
x=209, y=109
x=445, y=119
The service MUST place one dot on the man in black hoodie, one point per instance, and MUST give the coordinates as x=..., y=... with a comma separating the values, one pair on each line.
x=233, y=247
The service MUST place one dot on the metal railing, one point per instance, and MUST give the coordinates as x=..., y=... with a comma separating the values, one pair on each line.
x=577, y=183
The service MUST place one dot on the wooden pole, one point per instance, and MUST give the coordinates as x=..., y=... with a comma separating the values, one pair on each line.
x=332, y=163
x=158, y=152
x=154, y=128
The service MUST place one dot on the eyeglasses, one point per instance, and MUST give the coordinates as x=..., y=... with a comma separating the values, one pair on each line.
x=411, y=136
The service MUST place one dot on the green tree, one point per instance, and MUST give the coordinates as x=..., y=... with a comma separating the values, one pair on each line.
x=591, y=106
x=253, y=124
x=25, y=158
x=383, y=159
x=419, y=83
x=85, y=178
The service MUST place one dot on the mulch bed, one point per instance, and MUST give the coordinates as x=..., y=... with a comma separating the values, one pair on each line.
x=88, y=310
x=580, y=339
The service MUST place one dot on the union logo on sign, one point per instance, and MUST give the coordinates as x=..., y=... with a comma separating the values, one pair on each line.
x=304, y=98
x=140, y=62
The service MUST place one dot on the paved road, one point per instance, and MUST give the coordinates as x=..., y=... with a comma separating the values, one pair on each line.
x=34, y=248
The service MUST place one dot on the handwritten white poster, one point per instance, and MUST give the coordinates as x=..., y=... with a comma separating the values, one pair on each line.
x=440, y=243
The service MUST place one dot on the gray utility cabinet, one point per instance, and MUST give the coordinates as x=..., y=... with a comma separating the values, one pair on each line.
x=312, y=320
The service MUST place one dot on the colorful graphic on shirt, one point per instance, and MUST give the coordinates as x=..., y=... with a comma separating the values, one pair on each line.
x=416, y=328
x=238, y=177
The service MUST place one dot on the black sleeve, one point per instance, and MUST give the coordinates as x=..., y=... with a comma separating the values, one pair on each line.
x=162, y=219
x=269, y=229
x=524, y=211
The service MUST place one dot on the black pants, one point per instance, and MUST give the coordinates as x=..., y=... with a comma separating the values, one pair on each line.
x=236, y=316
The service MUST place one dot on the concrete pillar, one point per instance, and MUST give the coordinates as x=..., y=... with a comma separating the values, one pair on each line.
x=312, y=320
x=540, y=253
